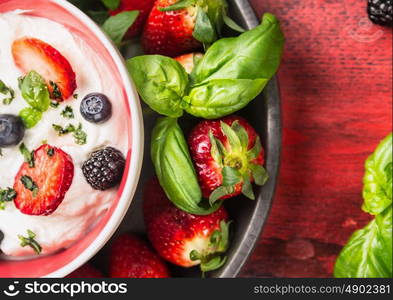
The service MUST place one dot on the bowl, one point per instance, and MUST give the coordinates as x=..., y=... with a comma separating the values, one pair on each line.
x=249, y=217
x=65, y=261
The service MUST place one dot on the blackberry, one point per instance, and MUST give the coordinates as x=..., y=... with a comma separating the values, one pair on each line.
x=380, y=11
x=104, y=169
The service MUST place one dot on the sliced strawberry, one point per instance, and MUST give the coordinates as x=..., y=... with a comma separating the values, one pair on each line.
x=228, y=157
x=182, y=238
x=31, y=54
x=188, y=61
x=144, y=7
x=41, y=186
x=131, y=257
x=86, y=271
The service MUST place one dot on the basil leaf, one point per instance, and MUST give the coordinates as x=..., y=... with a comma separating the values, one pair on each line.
x=30, y=116
x=35, y=91
x=232, y=24
x=175, y=169
x=220, y=97
x=161, y=82
x=255, y=54
x=117, y=26
x=368, y=253
x=377, y=190
x=111, y=4
x=204, y=30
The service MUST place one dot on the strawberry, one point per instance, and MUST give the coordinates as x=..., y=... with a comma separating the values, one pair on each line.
x=131, y=257
x=32, y=54
x=181, y=238
x=188, y=61
x=176, y=27
x=42, y=183
x=228, y=157
x=144, y=7
x=86, y=271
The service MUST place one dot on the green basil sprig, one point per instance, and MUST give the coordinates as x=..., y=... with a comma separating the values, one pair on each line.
x=377, y=190
x=368, y=252
x=36, y=94
x=230, y=75
x=174, y=168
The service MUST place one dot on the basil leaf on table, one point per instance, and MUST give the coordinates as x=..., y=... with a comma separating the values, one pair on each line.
x=117, y=26
x=368, y=253
x=161, y=81
x=377, y=191
x=220, y=97
x=175, y=169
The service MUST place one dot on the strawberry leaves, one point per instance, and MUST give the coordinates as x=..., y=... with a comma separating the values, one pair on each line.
x=212, y=259
x=117, y=26
x=239, y=166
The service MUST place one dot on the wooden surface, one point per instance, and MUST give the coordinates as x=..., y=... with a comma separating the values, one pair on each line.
x=336, y=87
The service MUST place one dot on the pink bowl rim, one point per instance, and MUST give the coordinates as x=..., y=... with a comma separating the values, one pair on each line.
x=137, y=143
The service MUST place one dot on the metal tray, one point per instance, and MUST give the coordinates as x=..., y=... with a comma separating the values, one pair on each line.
x=248, y=216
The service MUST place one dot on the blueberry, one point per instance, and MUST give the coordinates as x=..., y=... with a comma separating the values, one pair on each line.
x=12, y=130
x=96, y=108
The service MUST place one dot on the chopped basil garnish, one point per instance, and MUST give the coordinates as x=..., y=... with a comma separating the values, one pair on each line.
x=30, y=241
x=8, y=92
x=28, y=155
x=56, y=91
x=6, y=195
x=50, y=152
x=63, y=131
x=79, y=135
x=68, y=112
x=29, y=184
x=75, y=96
x=54, y=104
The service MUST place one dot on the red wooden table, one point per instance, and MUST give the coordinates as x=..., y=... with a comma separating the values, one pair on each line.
x=336, y=88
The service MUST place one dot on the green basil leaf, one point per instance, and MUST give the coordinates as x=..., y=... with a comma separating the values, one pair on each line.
x=255, y=54
x=161, y=82
x=233, y=25
x=117, y=26
x=30, y=116
x=175, y=169
x=368, y=253
x=204, y=30
x=111, y=4
x=35, y=91
x=220, y=97
x=377, y=190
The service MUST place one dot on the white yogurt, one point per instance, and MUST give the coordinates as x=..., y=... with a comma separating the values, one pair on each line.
x=82, y=205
